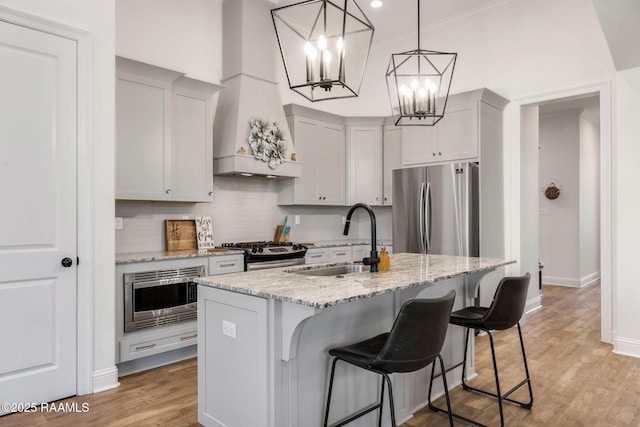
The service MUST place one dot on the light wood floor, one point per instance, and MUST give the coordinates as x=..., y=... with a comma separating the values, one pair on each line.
x=577, y=380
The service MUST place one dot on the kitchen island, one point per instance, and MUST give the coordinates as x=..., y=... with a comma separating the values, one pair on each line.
x=263, y=338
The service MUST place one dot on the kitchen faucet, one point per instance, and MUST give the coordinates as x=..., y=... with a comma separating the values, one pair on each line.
x=373, y=259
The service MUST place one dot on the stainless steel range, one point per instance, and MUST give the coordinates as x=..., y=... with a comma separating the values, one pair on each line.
x=261, y=255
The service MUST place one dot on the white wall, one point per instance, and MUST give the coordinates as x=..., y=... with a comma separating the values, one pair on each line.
x=569, y=225
x=559, y=218
x=179, y=35
x=96, y=17
x=589, y=198
x=626, y=213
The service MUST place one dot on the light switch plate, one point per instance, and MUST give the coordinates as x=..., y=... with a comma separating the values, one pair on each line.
x=296, y=219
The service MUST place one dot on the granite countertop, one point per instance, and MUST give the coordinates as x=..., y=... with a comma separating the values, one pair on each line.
x=124, y=258
x=407, y=270
x=351, y=242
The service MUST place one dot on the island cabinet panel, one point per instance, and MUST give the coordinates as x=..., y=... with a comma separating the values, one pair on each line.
x=319, y=144
x=233, y=386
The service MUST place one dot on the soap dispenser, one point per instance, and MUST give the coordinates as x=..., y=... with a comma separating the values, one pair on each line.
x=385, y=260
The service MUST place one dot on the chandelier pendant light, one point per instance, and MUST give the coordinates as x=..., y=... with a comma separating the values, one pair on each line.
x=418, y=82
x=324, y=46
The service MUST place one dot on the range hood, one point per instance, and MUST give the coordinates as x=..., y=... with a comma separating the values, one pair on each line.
x=250, y=91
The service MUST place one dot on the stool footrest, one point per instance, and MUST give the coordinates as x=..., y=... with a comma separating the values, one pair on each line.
x=357, y=415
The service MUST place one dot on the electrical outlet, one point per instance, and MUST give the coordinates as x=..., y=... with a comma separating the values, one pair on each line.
x=297, y=219
x=228, y=329
x=118, y=223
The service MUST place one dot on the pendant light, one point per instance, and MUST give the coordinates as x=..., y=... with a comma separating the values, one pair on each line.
x=324, y=46
x=418, y=82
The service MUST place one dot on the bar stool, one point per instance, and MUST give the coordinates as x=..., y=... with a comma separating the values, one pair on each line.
x=505, y=311
x=415, y=341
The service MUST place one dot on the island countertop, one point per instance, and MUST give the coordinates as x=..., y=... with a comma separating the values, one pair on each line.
x=407, y=270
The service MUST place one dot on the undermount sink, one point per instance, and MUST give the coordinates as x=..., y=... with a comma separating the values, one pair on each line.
x=333, y=270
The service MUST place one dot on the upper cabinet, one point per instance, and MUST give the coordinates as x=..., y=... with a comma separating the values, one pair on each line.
x=391, y=159
x=457, y=135
x=320, y=146
x=164, y=136
x=364, y=161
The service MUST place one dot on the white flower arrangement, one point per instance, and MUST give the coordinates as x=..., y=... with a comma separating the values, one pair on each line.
x=266, y=140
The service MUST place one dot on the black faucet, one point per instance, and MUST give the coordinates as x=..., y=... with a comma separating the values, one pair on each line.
x=373, y=259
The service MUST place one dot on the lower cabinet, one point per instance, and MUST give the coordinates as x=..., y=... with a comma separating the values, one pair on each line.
x=337, y=254
x=149, y=347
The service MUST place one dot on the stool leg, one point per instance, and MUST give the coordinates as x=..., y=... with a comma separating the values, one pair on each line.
x=464, y=360
x=326, y=413
x=446, y=389
x=495, y=370
x=381, y=403
x=386, y=378
x=526, y=370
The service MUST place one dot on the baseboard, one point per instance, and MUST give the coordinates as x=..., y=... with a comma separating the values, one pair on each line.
x=145, y=363
x=572, y=283
x=105, y=379
x=626, y=347
x=533, y=305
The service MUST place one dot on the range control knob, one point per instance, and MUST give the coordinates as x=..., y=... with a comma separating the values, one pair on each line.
x=254, y=249
x=260, y=249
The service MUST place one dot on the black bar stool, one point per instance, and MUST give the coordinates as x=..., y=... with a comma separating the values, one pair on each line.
x=505, y=311
x=415, y=341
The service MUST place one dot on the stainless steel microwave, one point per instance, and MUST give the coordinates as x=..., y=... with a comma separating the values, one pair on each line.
x=160, y=297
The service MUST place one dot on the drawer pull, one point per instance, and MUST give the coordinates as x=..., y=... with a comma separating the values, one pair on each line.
x=316, y=256
x=145, y=347
x=188, y=337
x=341, y=253
x=229, y=264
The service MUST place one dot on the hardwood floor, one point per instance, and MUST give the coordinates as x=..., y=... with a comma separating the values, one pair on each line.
x=577, y=380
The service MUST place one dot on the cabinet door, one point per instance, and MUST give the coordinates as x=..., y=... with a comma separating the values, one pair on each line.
x=192, y=150
x=419, y=145
x=314, y=256
x=331, y=166
x=365, y=165
x=458, y=133
x=307, y=135
x=392, y=159
x=143, y=161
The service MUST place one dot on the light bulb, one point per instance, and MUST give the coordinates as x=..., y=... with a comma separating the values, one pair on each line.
x=376, y=3
x=432, y=87
x=414, y=84
x=327, y=58
x=307, y=48
x=322, y=43
x=422, y=92
x=312, y=53
x=340, y=45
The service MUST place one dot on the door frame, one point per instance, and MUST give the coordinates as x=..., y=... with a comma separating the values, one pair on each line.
x=513, y=227
x=84, y=205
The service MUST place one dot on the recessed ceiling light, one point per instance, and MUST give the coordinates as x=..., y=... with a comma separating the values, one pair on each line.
x=376, y=3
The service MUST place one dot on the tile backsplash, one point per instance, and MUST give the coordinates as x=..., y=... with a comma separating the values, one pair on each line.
x=243, y=209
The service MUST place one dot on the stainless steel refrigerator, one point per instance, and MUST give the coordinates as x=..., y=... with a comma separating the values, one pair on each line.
x=435, y=210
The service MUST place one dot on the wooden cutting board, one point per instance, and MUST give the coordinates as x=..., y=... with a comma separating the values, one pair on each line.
x=180, y=234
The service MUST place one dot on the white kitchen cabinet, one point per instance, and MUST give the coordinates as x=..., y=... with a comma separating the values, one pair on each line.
x=391, y=159
x=319, y=144
x=364, y=162
x=316, y=255
x=455, y=137
x=223, y=264
x=164, y=134
x=340, y=254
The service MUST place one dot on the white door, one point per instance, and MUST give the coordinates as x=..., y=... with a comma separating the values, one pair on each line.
x=37, y=216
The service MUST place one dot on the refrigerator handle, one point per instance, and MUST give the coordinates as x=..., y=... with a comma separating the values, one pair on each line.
x=427, y=236
x=421, y=219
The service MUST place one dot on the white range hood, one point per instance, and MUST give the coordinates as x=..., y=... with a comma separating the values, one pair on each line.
x=250, y=91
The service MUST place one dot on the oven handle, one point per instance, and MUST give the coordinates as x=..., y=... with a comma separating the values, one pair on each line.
x=274, y=264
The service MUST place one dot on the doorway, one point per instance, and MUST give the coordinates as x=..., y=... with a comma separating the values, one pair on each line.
x=522, y=189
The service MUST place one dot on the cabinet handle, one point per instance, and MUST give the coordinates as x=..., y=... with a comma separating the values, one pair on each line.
x=229, y=264
x=385, y=199
x=341, y=253
x=434, y=154
x=144, y=347
x=324, y=198
x=211, y=193
x=439, y=153
x=377, y=199
x=320, y=198
x=188, y=337
x=316, y=256
x=168, y=191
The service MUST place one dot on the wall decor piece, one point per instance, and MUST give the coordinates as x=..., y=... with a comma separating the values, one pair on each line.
x=180, y=234
x=552, y=192
x=266, y=141
x=204, y=232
